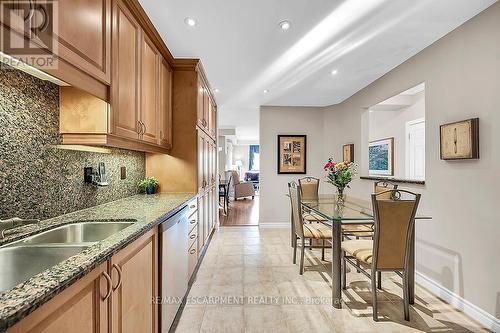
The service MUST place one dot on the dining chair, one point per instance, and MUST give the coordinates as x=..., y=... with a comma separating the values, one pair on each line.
x=306, y=231
x=309, y=190
x=224, y=192
x=394, y=215
x=383, y=186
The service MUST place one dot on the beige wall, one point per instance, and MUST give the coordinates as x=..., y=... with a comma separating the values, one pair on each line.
x=459, y=248
x=273, y=187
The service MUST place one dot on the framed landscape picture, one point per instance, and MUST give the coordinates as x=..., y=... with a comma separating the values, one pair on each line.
x=381, y=157
x=292, y=154
x=348, y=152
x=460, y=140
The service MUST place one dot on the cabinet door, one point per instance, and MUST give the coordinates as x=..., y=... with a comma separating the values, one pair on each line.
x=201, y=161
x=201, y=222
x=206, y=106
x=83, y=307
x=212, y=120
x=126, y=69
x=85, y=36
x=200, y=104
x=149, y=90
x=135, y=278
x=165, y=107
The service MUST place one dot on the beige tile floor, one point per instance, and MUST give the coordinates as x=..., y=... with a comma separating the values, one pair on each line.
x=247, y=283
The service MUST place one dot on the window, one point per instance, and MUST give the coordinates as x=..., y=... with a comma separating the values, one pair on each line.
x=254, y=160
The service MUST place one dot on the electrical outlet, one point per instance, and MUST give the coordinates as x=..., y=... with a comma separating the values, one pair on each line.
x=123, y=173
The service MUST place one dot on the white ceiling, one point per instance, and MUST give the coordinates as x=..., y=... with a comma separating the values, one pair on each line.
x=244, y=51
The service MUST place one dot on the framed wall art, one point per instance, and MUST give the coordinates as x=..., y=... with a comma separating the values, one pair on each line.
x=348, y=152
x=381, y=157
x=460, y=140
x=292, y=154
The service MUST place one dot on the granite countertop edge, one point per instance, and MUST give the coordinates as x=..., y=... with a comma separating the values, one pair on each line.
x=26, y=297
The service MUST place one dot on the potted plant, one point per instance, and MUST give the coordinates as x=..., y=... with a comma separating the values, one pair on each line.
x=149, y=184
x=340, y=175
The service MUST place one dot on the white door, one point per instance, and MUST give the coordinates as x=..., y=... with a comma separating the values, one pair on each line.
x=415, y=161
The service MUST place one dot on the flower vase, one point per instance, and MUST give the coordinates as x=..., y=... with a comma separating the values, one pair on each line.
x=340, y=196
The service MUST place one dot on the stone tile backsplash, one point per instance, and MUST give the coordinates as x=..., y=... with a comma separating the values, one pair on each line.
x=38, y=180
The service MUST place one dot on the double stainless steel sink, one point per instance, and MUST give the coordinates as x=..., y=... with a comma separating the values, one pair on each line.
x=25, y=258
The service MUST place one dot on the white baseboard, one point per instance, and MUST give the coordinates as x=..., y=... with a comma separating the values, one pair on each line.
x=274, y=225
x=483, y=317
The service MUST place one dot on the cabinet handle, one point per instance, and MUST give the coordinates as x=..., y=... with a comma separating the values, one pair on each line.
x=192, y=236
x=192, y=206
x=144, y=127
x=110, y=285
x=119, y=271
x=192, y=221
x=193, y=251
x=161, y=135
x=139, y=127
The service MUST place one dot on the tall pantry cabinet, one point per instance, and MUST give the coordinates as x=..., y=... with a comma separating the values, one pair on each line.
x=191, y=165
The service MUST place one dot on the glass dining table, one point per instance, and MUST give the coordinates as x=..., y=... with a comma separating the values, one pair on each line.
x=353, y=211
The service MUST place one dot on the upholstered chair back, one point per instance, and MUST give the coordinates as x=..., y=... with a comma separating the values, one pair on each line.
x=309, y=187
x=394, y=221
x=235, y=178
x=294, y=192
x=383, y=186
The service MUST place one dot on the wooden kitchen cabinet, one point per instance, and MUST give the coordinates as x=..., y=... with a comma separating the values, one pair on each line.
x=84, y=34
x=139, y=116
x=117, y=296
x=125, y=101
x=135, y=283
x=150, y=88
x=83, y=307
x=165, y=104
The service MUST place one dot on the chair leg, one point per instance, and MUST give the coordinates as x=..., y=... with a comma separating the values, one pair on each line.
x=323, y=251
x=379, y=279
x=374, y=295
x=302, y=257
x=294, y=249
x=344, y=271
x=406, y=296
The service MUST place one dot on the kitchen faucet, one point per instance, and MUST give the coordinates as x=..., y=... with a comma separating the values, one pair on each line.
x=14, y=223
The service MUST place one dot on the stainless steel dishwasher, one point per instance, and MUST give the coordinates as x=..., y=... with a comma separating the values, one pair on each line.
x=173, y=256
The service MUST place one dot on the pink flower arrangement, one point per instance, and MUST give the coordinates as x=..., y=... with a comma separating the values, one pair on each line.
x=340, y=174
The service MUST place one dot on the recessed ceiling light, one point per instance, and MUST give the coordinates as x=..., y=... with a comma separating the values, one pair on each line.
x=266, y=91
x=190, y=21
x=335, y=72
x=216, y=90
x=285, y=25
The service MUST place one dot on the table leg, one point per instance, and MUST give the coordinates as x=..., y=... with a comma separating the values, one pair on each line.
x=411, y=269
x=336, y=263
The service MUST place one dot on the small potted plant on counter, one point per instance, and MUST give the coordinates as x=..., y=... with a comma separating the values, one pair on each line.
x=149, y=184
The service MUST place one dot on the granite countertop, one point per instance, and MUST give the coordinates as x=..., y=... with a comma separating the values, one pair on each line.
x=147, y=210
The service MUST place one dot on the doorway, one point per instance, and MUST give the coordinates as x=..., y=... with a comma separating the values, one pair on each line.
x=415, y=149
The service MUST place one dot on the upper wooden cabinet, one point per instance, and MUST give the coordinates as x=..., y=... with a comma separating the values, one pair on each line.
x=206, y=107
x=165, y=104
x=125, y=90
x=150, y=87
x=139, y=116
x=84, y=36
